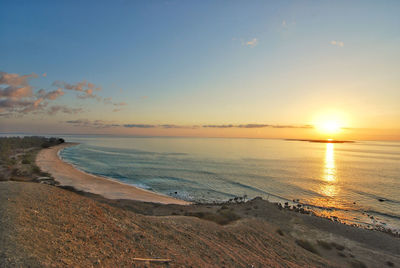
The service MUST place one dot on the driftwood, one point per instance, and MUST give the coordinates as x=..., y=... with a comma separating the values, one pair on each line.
x=149, y=261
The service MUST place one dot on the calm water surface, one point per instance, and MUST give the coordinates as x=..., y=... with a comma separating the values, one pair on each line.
x=343, y=180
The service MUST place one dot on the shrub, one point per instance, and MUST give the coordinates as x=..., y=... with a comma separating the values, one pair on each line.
x=307, y=246
x=36, y=169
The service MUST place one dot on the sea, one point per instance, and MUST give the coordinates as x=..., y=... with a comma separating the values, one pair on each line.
x=355, y=183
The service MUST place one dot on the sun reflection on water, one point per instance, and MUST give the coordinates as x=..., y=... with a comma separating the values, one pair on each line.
x=330, y=170
x=328, y=186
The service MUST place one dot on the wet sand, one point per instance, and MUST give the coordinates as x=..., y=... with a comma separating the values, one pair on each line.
x=49, y=161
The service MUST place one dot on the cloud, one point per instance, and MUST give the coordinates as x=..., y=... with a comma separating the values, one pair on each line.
x=80, y=86
x=92, y=124
x=87, y=90
x=139, y=126
x=116, y=104
x=256, y=126
x=337, y=43
x=120, y=104
x=252, y=43
x=15, y=79
x=102, y=124
x=16, y=95
x=107, y=100
x=64, y=109
x=218, y=126
x=15, y=92
x=52, y=95
x=15, y=86
x=85, y=87
x=17, y=98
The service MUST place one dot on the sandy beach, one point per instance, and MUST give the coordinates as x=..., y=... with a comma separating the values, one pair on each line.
x=49, y=161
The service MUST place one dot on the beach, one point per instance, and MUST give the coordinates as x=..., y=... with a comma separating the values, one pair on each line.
x=64, y=173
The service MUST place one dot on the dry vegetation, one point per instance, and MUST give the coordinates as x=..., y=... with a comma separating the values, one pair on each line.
x=17, y=157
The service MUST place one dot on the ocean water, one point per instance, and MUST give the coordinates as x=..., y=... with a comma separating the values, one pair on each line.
x=357, y=182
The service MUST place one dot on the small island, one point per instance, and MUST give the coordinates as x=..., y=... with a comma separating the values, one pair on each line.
x=321, y=141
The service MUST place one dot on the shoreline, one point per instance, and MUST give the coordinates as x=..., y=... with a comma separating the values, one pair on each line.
x=66, y=174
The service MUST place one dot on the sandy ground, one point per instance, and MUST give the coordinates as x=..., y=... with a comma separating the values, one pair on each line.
x=46, y=226
x=67, y=175
x=49, y=226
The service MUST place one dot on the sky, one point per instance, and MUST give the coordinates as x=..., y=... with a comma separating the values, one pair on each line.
x=256, y=69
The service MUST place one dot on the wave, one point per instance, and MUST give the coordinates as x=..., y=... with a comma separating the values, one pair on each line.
x=376, y=197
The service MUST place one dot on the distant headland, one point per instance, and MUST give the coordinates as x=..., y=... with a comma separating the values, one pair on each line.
x=322, y=141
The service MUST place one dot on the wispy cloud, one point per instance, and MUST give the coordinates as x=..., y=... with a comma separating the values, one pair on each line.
x=139, y=126
x=100, y=123
x=64, y=109
x=251, y=43
x=337, y=43
x=92, y=124
x=257, y=126
x=85, y=87
x=52, y=95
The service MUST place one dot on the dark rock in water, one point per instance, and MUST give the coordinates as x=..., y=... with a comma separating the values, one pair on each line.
x=176, y=192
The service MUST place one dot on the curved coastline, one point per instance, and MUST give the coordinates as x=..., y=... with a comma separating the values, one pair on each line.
x=67, y=175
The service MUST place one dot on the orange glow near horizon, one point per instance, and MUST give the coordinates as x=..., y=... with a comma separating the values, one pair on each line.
x=330, y=123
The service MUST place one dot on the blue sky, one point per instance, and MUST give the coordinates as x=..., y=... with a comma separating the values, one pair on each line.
x=211, y=62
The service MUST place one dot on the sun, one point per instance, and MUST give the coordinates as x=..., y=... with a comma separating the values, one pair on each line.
x=330, y=122
x=329, y=127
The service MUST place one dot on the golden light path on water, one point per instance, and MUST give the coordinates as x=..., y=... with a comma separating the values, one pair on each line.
x=330, y=170
x=329, y=180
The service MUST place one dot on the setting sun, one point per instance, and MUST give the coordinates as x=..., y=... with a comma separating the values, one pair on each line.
x=329, y=127
x=330, y=122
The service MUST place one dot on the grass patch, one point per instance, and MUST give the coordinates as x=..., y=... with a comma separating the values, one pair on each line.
x=25, y=161
x=280, y=232
x=307, y=246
